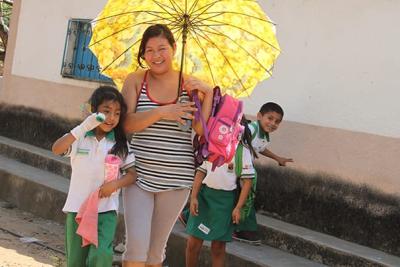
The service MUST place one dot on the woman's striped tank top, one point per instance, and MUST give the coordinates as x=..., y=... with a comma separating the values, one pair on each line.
x=164, y=153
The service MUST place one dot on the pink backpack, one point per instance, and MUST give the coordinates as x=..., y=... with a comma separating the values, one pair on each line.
x=222, y=132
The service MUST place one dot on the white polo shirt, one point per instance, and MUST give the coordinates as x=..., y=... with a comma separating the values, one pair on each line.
x=87, y=161
x=224, y=177
x=260, y=139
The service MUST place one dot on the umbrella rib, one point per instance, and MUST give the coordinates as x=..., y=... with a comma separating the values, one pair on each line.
x=126, y=28
x=177, y=31
x=130, y=12
x=240, y=28
x=162, y=6
x=174, y=5
x=193, y=6
x=205, y=7
x=226, y=59
x=205, y=55
x=235, y=13
x=244, y=49
x=139, y=40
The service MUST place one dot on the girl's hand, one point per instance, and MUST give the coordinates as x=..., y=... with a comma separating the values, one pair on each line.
x=236, y=216
x=177, y=112
x=193, y=84
x=107, y=189
x=88, y=124
x=194, y=206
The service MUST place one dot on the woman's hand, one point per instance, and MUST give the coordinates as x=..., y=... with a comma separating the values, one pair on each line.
x=194, y=206
x=194, y=83
x=177, y=112
x=107, y=189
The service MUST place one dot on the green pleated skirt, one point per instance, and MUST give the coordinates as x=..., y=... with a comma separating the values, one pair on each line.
x=214, y=221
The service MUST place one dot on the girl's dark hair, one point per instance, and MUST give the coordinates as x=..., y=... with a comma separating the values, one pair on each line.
x=155, y=30
x=246, y=137
x=105, y=93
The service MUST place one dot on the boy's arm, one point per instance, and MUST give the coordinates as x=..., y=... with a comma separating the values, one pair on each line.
x=194, y=204
x=281, y=161
x=246, y=187
x=110, y=187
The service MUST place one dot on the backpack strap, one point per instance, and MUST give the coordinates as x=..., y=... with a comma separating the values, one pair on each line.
x=256, y=129
x=198, y=116
x=239, y=160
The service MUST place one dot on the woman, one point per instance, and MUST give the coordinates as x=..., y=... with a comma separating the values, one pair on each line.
x=164, y=153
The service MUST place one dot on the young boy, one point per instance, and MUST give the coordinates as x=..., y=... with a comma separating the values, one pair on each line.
x=268, y=119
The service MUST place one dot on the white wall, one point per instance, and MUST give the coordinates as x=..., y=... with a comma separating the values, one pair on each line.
x=337, y=68
x=40, y=42
x=339, y=65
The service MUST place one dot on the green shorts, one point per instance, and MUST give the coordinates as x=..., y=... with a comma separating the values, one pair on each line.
x=214, y=221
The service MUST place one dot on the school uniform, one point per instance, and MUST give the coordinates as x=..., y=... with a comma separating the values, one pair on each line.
x=259, y=141
x=87, y=157
x=217, y=198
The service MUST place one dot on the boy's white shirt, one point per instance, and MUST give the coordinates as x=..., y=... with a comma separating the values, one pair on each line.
x=259, y=144
x=222, y=178
x=87, y=157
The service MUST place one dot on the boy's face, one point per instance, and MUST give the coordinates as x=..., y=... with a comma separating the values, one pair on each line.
x=270, y=121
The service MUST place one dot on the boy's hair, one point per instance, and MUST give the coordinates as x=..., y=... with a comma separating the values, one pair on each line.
x=105, y=93
x=246, y=136
x=156, y=30
x=271, y=106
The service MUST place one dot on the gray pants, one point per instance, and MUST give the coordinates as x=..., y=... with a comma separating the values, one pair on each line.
x=149, y=219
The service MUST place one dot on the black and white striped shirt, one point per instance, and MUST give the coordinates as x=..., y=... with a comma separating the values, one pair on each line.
x=164, y=153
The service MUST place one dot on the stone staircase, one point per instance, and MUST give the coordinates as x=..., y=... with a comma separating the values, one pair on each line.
x=35, y=180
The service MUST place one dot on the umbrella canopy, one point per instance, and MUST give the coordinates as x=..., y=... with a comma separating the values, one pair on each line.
x=230, y=43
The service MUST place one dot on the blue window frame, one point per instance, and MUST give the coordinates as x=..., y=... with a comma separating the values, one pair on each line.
x=78, y=61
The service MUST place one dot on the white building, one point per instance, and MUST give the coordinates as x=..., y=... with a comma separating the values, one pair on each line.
x=336, y=80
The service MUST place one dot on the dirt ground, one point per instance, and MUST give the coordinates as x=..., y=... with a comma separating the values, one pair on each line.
x=17, y=230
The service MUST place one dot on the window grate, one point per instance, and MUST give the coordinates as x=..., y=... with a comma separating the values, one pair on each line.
x=78, y=61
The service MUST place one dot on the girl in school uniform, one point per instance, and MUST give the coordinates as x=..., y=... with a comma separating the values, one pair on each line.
x=87, y=145
x=215, y=205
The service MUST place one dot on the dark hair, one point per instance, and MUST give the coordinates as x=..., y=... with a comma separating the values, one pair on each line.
x=105, y=93
x=155, y=30
x=246, y=136
x=271, y=106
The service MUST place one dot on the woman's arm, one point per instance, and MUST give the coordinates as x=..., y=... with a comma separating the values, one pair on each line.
x=205, y=97
x=138, y=121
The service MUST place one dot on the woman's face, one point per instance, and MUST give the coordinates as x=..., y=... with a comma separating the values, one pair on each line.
x=159, y=54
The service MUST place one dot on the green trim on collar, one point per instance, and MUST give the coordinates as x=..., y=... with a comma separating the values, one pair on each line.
x=109, y=136
x=261, y=133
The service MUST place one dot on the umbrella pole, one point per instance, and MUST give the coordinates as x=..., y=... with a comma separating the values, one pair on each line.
x=184, y=127
x=184, y=37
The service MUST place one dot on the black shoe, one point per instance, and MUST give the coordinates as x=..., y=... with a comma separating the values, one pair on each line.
x=249, y=237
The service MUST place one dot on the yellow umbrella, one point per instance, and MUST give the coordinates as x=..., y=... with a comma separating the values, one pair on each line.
x=230, y=43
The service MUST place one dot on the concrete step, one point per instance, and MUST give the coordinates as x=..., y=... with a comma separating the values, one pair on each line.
x=43, y=193
x=35, y=156
x=297, y=240
x=320, y=247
